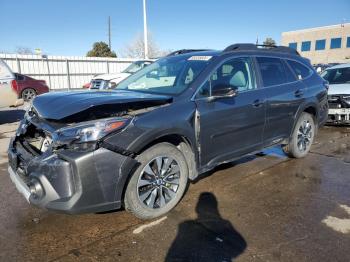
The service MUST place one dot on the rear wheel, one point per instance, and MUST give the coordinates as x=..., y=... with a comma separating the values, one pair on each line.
x=159, y=182
x=302, y=137
x=28, y=94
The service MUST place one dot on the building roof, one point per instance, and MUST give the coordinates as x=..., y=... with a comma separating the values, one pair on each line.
x=317, y=28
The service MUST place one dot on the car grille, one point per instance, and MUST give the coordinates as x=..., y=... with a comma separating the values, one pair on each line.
x=337, y=101
x=98, y=84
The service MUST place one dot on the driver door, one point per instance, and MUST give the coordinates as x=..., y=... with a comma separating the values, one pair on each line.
x=230, y=126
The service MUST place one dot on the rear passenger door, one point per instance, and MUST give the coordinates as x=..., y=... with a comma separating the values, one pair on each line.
x=230, y=126
x=284, y=94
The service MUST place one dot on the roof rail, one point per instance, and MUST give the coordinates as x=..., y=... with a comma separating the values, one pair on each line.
x=245, y=47
x=185, y=51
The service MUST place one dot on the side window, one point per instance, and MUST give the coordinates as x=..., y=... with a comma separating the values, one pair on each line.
x=289, y=73
x=19, y=77
x=300, y=70
x=273, y=72
x=234, y=73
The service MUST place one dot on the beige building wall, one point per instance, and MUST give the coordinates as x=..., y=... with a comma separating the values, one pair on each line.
x=340, y=55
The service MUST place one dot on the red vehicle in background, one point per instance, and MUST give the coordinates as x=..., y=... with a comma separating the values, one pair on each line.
x=28, y=88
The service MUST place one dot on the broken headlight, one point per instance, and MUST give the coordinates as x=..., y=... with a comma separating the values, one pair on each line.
x=90, y=131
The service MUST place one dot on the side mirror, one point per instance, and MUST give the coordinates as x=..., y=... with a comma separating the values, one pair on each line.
x=223, y=91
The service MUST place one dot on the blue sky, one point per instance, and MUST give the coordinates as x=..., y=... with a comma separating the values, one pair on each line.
x=69, y=27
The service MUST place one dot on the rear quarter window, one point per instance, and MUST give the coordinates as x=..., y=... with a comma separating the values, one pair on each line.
x=300, y=70
x=273, y=71
x=19, y=77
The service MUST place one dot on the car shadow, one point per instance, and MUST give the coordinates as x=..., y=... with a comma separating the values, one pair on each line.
x=209, y=237
x=11, y=116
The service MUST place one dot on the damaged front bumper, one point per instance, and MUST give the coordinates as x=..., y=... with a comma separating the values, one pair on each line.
x=339, y=109
x=339, y=116
x=70, y=181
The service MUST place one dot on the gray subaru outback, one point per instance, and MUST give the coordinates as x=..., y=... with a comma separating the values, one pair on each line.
x=139, y=145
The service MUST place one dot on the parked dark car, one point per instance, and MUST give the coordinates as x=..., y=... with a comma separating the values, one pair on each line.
x=28, y=87
x=183, y=115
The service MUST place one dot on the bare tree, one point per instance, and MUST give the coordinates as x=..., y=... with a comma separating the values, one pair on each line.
x=23, y=50
x=135, y=49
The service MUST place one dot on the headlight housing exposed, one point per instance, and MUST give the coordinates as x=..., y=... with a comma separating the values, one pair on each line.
x=90, y=131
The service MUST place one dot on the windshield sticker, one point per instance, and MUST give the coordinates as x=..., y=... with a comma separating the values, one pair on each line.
x=200, y=58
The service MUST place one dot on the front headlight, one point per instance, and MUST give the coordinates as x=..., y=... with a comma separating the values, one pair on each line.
x=89, y=131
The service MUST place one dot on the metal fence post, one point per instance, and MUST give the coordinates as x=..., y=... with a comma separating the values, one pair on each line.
x=48, y=71
x=107, y=67
x=18, y=65
x=68, y=75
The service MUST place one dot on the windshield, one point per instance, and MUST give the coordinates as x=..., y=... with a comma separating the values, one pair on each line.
x=5, y=71
x=170, y=75
x=337, y=76
x=136, y=66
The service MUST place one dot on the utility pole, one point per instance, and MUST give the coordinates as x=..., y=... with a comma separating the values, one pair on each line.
x=109, y=33
x=145, y=34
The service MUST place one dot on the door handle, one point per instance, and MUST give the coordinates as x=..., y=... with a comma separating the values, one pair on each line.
x=299, y=93
x=258, y=103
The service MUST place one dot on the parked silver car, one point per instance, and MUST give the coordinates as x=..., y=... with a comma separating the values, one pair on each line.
x=339, y=93
x=111, y=80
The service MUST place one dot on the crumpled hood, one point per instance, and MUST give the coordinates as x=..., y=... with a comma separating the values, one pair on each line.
x=83, y=106
x=339, y=89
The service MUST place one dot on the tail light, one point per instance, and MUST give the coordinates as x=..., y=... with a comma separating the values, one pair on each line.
x=14, y=85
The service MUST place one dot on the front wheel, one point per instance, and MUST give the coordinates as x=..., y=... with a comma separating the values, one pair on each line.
x=302, y=137
x=159, y=182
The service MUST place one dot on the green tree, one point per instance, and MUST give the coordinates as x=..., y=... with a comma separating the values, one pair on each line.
x=101, y=49
x=269, y=41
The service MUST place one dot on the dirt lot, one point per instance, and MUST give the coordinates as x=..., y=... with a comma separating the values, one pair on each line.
x=263, y=207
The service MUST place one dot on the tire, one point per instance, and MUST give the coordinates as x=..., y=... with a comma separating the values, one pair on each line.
x=150, y=193
x=28, y=94
x=302, y=137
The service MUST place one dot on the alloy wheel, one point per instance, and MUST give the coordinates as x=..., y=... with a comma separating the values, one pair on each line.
x=28, y=94
x=304, y=136
x=159, y=182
